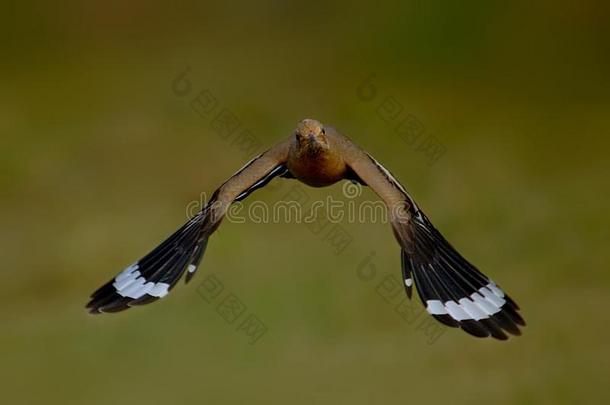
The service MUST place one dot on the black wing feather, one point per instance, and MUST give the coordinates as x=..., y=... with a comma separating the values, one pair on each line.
x=156, y=274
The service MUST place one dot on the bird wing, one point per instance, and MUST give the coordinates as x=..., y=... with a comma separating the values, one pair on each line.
x=453, y=290
x=153, y=276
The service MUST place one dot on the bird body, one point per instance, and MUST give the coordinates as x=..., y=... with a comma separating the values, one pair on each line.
x=314, y=157
x=453, y=291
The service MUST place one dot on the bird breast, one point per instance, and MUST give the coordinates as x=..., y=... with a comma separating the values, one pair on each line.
x=317, y=170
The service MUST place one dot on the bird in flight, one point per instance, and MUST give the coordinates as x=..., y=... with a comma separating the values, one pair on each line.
x=452, y=290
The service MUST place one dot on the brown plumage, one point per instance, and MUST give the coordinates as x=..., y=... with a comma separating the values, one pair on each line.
x=451, y=288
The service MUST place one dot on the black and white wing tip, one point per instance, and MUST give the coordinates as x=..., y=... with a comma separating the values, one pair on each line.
x=453, y=290
x=154, y=276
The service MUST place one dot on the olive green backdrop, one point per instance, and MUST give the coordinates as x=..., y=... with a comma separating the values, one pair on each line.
x=101, y=154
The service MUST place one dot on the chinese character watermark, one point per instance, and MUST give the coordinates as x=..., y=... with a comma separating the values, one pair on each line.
x=405, y=125
x=232, y=309
x=390, y=288
x=222, y=120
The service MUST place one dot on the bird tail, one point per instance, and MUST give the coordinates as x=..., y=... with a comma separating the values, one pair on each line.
x=453, y=291
x=153, y=276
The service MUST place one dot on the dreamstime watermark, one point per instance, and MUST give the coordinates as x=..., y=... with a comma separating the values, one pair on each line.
x=291, y=209
x=322, y=218
x=405, y=125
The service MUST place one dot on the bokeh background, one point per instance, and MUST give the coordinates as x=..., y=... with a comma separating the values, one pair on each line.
x=99, y=157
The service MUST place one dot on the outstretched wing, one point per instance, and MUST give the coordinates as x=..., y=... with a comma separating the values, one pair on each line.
x=153, y=276
x=453, y=290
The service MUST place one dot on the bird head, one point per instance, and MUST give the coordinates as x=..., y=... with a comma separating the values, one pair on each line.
x=310, y=136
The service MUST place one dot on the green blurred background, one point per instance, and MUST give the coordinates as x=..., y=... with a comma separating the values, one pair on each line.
x=99, y=158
